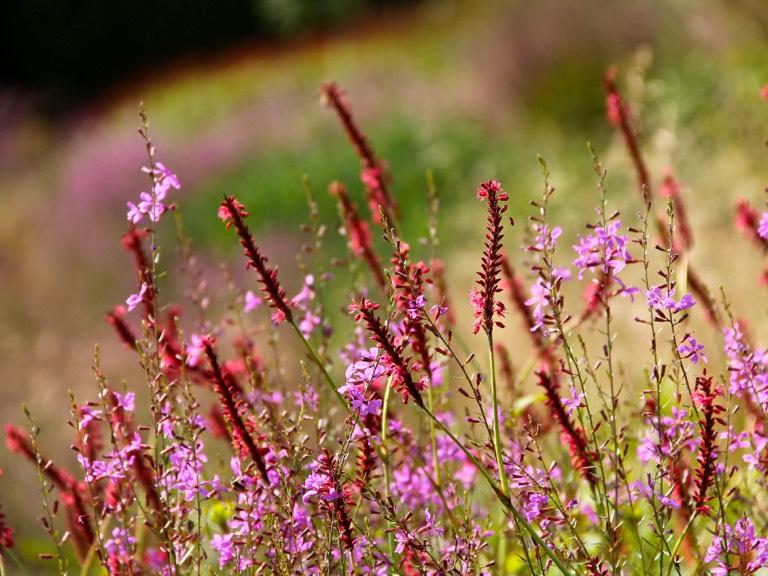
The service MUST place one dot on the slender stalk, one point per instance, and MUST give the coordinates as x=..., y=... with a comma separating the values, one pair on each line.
x=433, y=436
x=387, y=464
x=320, y=364
x=679, y=541
x=496, y=424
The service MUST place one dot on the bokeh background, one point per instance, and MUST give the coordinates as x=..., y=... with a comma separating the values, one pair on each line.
x=469, y=89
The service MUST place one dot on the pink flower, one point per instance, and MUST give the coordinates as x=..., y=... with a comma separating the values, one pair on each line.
x=492, y=187
x=151, y=204
x=135, y=299
x=251, y=302
x=574, y=402
x=606, y=250
x=762, y=228
x=657, y=300
x=127, y=402
x=195, y=349
x=134, y=214
x=690, y=348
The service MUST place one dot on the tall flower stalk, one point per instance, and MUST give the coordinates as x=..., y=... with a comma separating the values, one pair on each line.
x=488, y=308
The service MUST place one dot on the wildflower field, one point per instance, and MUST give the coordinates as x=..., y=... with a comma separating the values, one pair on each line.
x=535, y=373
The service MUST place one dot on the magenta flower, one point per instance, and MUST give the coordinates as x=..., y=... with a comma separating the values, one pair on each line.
x=151, y=203
x=194, y=349
x=224, y=546
x=574, y=402
x=251, y=302
x=320, y=484
x=740, y=541
x=690, y=348
x=657, y=300
x=135, y=299
x=416, y=306
x=606, y=249
x=127, y=402
x=762, y=228
x=546, y=238
x=164, y=179
x=135, y=215
x=534, y=504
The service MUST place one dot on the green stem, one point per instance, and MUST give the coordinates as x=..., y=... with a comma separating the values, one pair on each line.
x=496, y=424
x=387, y=465
x=433, y=436
x=679, y=541
x=320, y=364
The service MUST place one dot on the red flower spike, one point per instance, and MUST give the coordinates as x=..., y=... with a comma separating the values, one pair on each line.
x=6, y=532
x=582, y=457
x=233, y=213
x=365, y=311
x=358, y=233
x=705, y=396
x=670, y=188
x=407, y=281
x=487, y=308
x=618, y=115
x=116, y=319
x=73, y=493
x=241, y=436
x=618, y=111
x=373, y=175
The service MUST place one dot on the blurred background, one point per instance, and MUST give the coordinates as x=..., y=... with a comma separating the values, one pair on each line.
x=469, y=89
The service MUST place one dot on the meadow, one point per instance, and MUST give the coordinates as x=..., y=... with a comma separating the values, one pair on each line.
x=515, y=326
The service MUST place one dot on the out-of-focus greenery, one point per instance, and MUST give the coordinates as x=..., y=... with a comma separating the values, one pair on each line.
x=65, y=53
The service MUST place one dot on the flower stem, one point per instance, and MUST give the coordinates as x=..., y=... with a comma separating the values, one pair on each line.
x=496, y=423
x=387, y=465
x=679, y=541
x=320, y=364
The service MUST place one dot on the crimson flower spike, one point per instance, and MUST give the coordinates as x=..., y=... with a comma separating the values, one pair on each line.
x=407, y=282
x=705, y=396
x=582, y=457
x=366, y=461
x=618, y=115
x=747, y=222
x=328, y=469
x=241, y=436
x=358, y=233
x=487, y=307
x=116, y=319
x=373, y=175
x=6, y=532
x=73, y=493
x=233, y=213
x=402, y=380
